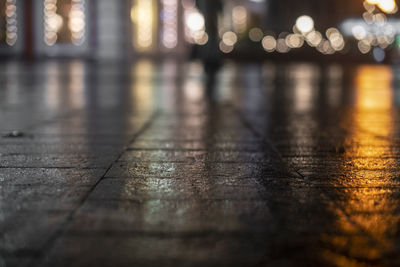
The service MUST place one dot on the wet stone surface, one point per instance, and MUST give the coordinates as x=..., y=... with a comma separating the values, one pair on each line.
x=129, y=166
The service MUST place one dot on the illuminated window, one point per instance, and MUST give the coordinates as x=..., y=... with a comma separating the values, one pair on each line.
x=8, y=22
x=64, y=22
x=143, y=15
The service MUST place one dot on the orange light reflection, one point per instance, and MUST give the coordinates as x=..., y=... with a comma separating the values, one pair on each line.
x=366, y=205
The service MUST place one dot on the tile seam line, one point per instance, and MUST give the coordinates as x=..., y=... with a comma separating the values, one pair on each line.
x=39, y=256
x=268, y=142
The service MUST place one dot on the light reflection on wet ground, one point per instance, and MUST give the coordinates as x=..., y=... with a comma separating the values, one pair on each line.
x=286, y=164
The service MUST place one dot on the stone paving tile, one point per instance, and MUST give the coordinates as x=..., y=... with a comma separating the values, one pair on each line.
x=105, y=129
x=196, y=145
x=193, y=250
x=247, y=214
x=50, y=176
x=197, y=251
x=199, y=169
x=154, y=188
x=56, y=160
x=191, y=156
x=199, y=134
x=26, y=232
x=166, y=216
x=37, y=197
x=90, y=140
x=56, y=148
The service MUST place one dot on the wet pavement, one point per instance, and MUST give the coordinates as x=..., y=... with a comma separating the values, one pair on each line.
x=133, y=165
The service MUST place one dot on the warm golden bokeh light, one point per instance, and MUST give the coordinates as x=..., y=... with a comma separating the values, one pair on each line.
x=387, y=6
x=143, y=17
x=142, y=85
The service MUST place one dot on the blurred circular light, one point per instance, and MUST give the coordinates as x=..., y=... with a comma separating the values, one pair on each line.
x=387, y=6
x=225, y=48
x=256, y=34
x=195, y=21
x=359, y=32
x=294, y=40
x=364, y=46
x=368, y=17
x=325, y=48
x=305, y=24
x=314, y=38
x=239, y=13
x=281, y=46
x=379, y=54
x=337, y=43
x=229, y=38
x=202, y=40
x=372, y=2
x=295, y=30
x=269, y=43
x=371, y=39
x=369, y=7
x=329, y=32
x=239, y=18
x=380, y=19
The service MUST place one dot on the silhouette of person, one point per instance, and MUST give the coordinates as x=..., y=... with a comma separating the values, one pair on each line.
x=209, y=53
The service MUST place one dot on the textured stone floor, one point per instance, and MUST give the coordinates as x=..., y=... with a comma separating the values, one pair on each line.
x=133, y=165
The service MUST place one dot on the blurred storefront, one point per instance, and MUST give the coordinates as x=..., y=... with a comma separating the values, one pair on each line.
x=91, y=28
x=126, y=29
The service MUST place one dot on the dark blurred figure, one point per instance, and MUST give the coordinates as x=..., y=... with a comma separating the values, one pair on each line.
x=209, y=53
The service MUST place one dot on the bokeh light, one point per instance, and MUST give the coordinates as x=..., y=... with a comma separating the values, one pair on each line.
x=64, y=22
x=11, y=22
x=229, y=38
x=256, y=34
x=170, y=23
x=239, y=18
x=305, y=24
x=143, y=17
x=269, y=43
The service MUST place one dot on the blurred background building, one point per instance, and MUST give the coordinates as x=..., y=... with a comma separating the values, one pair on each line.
x=248, y=29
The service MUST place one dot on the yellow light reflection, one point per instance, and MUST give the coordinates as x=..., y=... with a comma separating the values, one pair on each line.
x=142, y=87
x=366, y=206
